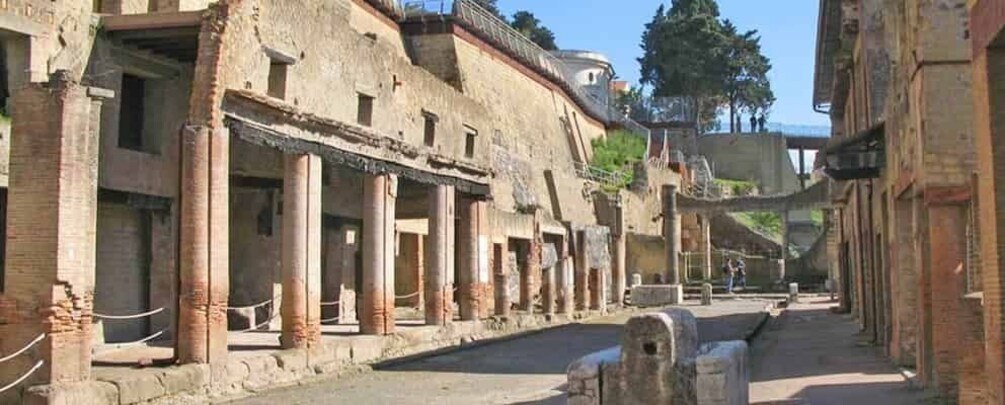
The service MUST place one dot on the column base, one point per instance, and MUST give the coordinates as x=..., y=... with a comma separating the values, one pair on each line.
x=657, y=295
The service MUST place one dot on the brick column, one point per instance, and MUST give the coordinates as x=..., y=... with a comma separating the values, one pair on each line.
x=548, y=289
x=202, y=326
x=582, y=273
x=530, y=274
x=301, y=252
x=671, y=231
x=618, y=251
x=598, y=287
x=989, y=96
x=501, y=263
x=439, y=256
x=379, y=193
x=472, y=253
x=564, y=271
x=52, y=211
x=947, y=230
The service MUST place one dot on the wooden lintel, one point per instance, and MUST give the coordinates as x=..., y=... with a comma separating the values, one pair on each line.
x=151, y=21
x=958, y=195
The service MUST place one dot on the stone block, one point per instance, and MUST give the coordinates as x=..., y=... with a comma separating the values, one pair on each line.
x=723, y=377
x=657, y=295
x=793, y=292
x=636, y=280
x=366, y=349
x=291, y=360
x=658, y=359
x=86, y=393
x=139, y=387
x=187, y=378
x=706, y=294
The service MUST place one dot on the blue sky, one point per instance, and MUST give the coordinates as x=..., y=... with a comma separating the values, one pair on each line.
x=614, y=27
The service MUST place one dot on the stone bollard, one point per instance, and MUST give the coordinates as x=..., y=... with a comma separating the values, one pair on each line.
x=723, y=374
x=636, y=280
x=706, y=294
x=793, y=292
x=658, y=360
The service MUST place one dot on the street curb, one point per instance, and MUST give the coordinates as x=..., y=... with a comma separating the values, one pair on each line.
x=765, y=317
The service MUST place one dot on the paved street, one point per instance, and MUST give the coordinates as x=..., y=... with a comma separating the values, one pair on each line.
x=525, y=370
x=809, y=355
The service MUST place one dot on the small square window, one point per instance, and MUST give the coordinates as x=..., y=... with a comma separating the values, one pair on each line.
x=429, y=130
x=470, y=136
x=364, y=115
x=277, y=79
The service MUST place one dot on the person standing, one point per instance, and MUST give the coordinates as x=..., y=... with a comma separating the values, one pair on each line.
x=753, y=122
x=728, y=271
x=741, y=273
x=739, y=124
x=761, y=122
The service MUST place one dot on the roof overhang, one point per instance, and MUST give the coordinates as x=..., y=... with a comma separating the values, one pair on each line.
x=828, y=45
x=862, y=156
x=172, y=35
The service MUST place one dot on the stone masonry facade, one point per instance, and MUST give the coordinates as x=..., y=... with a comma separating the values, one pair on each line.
x=914, y=245
x=181, y=172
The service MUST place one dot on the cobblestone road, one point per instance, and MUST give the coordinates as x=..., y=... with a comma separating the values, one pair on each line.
x=528, y=370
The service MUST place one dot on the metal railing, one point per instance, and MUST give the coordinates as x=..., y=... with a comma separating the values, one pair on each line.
x=664, y=110
x=487, y=25
x=603, y=177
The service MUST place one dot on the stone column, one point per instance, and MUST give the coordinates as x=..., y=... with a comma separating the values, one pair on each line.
x=706, y=247
x=671, y=231
x=301, y=252
x=472, y=253
x=582, y=273
x=501, y=263
x=204, y=257
x=564, y=278
x=619, y=274
x=51, y=234
x=785, y=246
x=377, y=312
x=439, y=256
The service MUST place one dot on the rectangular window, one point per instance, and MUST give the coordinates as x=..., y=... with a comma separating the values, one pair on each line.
x=364, y=116
x=429, y=131
x=470, y=136
x=131, y=112
x=277, y=79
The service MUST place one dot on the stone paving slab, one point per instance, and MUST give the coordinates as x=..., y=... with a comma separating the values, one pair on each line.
x=809, y=355
x=530, y=369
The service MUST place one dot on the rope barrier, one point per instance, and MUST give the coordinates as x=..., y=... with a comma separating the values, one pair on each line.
x=405, y=297
x=23, y=377
x=129, y=317
x=331, y=319
x=330, y=304
x=260, y=304
x=116, y=346
x=259, y=326
x=23, y=349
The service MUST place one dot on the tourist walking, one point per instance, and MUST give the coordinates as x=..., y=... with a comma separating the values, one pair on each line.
x=761, y=122
x=728, y=271
x=753, y=122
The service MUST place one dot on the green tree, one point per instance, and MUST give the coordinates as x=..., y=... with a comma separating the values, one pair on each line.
x=689, y=51
x=530, y=26
x=617, y=153
x=745, y=80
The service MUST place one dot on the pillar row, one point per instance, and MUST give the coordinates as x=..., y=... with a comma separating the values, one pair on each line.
x=439, y=256
x=301, y=252
x=379, y=194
